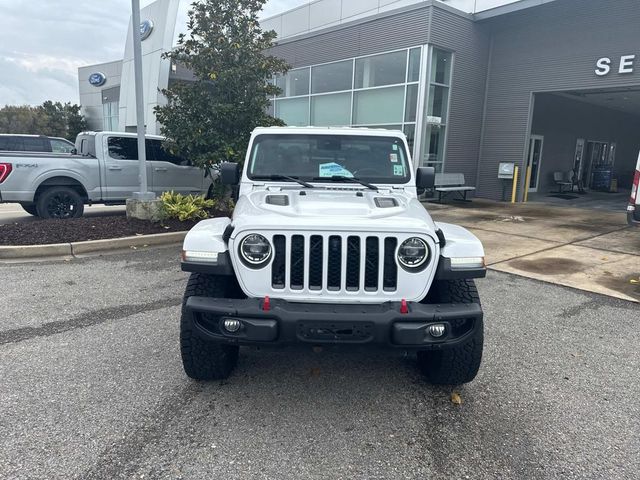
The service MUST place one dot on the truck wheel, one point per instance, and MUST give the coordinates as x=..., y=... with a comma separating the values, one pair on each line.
x=30, y=208
x=203, y=359
x=60, y=202
x=459, y=364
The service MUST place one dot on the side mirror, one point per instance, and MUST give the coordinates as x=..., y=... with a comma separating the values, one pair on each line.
x=229, y=173
x=426, y=178
x=73, y=151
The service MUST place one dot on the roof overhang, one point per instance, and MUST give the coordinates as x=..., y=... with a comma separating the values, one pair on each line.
x=509, y=8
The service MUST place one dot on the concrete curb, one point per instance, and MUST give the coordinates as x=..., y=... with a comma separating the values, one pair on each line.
x=30, y=252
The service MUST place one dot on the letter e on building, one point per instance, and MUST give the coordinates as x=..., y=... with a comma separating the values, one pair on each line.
x=626, y=64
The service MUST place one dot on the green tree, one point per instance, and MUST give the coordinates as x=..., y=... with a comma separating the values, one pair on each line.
x=54, y=119
x=76, y=122
x=210, y=119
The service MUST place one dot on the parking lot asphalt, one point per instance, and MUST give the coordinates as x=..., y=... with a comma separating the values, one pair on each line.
x=91, y=386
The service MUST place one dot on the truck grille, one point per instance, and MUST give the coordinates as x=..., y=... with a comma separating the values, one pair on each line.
x=336, y=263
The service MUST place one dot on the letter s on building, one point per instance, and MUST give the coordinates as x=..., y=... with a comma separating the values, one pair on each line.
x=603, y=66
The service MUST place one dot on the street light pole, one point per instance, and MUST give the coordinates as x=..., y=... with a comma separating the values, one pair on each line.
x=143, y=194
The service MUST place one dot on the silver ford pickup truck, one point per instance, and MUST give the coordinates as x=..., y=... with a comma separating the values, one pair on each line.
x=104, y=170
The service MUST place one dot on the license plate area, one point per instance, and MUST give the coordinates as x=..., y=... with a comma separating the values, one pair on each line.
x=335, y=332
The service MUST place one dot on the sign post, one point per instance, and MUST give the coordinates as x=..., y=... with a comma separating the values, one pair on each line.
x=143, y=194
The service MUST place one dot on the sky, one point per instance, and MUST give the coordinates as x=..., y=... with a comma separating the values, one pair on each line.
x=43, y=42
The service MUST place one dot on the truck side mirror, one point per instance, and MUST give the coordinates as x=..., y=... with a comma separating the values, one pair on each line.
x=229, y=173
x=426, y=178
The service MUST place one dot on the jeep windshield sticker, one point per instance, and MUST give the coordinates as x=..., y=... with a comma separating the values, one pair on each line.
x=393, y=157
x=398, y=170
x=328, y=170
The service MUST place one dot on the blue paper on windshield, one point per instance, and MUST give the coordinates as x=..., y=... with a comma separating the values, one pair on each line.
x=328, y=170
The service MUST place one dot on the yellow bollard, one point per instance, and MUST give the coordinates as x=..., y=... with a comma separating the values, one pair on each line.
x=515, y=185
x=527, y=183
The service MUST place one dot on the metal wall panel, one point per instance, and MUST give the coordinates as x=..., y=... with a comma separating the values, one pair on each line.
x=551, y=47
x=403, y=30
x=470, y=45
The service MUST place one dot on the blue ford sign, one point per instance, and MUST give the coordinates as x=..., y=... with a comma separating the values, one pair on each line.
x=146, y=28
x=97, y=79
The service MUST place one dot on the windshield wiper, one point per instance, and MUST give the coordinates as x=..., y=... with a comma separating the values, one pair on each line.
x=343, y=178
x=283, y=177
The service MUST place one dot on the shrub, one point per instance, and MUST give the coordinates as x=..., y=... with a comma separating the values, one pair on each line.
x=185, y=207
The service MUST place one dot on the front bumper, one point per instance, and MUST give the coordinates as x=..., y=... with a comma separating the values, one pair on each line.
x=287, y=323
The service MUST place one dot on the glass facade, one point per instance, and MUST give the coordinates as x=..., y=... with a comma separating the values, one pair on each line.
x=434, y=125
x=381, y=91
x=110, y=114
x=374, y=91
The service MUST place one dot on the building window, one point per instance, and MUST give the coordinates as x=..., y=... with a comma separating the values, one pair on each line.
x=294, y=83
x=332, y=77
x=110, y=113
x=379, y=91
x=436, y=110
x=378, y=106
x=293, y=111
x=333, y=109
x=380, y=70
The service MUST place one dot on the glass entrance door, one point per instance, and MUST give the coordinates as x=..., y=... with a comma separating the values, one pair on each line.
x=534, y=160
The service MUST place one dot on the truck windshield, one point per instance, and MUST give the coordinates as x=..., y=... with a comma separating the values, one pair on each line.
x=325, y=158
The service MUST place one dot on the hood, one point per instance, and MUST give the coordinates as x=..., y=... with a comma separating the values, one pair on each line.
x=329, y=209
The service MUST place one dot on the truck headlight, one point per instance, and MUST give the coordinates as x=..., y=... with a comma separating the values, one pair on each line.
x=255, y=250
x=413, y=253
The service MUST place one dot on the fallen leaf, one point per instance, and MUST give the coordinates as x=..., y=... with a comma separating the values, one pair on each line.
x=145, y=246
x=456, y=399
x=315, y=372
x=633, y=280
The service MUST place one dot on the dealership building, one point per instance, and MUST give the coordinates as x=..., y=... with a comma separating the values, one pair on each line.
x=475, y=85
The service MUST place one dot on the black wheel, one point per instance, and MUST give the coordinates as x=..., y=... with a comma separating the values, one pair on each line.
x=459, y=364
x=60, y=202
x=203, y=359
x=30, y=208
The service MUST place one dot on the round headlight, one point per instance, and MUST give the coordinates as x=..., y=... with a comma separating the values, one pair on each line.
x=255, y=249
x=413, y=253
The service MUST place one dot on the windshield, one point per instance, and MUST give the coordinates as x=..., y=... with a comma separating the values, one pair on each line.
x=327, y=158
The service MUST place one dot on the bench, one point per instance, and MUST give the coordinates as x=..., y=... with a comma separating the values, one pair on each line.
x=563, y=180
x=448, y=183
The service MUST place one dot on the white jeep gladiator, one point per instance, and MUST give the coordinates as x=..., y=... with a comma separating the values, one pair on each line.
x=329, y=245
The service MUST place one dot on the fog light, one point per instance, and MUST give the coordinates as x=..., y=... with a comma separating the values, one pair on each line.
x=231, y=325
x=437, y=330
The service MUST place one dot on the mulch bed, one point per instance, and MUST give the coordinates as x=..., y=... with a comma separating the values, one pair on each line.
x=38, y=232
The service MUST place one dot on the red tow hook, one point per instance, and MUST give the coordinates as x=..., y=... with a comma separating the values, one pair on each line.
x=404, y=308
x=266, y=304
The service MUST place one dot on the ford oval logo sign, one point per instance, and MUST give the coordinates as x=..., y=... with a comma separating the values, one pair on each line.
x=146, y=28
x=97, y=79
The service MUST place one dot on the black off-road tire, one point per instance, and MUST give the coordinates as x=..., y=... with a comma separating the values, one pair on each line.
x=203, y=359
x=30, y=208
x=459, y=364
x=60, y=202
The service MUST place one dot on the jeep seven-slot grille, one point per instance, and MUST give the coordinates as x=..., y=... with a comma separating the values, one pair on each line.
x=334, y=262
